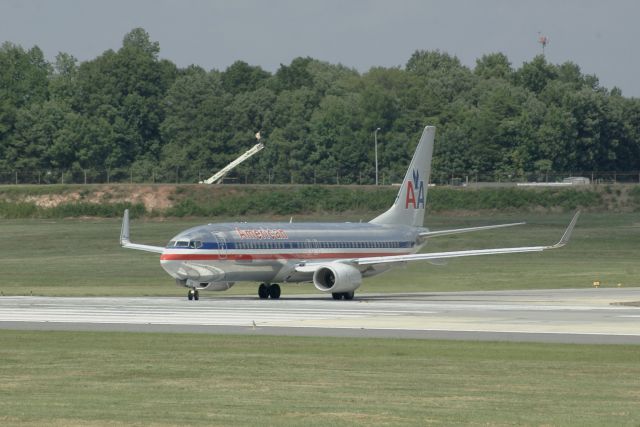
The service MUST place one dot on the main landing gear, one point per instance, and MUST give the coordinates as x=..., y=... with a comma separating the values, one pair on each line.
x=193, y=295
x=266, y=290
x=343, y=295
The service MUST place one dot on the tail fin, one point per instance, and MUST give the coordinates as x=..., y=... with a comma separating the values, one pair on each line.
x=408, y=209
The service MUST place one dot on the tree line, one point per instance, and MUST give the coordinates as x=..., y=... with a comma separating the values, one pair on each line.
x=131, y=109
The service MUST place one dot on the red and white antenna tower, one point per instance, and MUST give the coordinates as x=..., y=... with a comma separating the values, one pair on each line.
x=543, y=40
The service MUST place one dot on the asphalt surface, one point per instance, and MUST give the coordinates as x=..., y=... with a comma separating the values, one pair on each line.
x=598, y=316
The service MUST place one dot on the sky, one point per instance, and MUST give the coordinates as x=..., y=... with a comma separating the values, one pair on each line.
x=602, y=37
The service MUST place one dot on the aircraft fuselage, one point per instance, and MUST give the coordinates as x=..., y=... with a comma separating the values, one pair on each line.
x=268, y=252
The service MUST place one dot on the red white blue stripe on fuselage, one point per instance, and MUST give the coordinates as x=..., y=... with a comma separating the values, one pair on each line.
x=302, y=250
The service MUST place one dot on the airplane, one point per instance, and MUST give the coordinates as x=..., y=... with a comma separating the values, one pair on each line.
x=335, y=257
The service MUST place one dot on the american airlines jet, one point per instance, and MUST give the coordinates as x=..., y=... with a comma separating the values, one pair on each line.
x=333, y=256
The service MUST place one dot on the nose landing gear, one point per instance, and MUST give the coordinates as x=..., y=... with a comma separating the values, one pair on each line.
x=193, y=295
x=266, y=290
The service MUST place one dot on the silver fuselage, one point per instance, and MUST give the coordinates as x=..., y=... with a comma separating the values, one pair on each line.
x=268, y=252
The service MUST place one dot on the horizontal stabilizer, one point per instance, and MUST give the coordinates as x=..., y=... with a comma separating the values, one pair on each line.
x=428, y=234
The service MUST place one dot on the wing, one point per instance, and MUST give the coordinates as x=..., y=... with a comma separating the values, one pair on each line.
x=428, y=234
x=309, y=267
x=126, y=243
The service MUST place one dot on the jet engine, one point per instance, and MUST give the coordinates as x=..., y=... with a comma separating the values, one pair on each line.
x=337, y=277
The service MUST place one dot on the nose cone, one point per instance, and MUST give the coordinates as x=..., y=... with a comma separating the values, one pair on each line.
x=169, y=264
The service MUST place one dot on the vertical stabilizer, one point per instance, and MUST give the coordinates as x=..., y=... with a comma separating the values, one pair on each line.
x=408, y=209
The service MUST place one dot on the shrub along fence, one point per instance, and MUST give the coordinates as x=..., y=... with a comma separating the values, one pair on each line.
x=183, y=176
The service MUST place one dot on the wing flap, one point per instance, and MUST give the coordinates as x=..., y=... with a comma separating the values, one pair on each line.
x=445, y=255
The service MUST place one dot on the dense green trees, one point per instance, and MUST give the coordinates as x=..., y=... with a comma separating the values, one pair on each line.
x=129, y=109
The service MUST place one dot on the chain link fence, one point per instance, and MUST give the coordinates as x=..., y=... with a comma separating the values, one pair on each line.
x=179, y=176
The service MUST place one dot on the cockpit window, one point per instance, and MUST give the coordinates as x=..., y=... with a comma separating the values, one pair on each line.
x=182, y=244
x=195, y=244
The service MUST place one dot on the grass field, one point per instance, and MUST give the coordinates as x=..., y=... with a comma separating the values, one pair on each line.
x=93, y=379
x=83, y=257
x=96, y=379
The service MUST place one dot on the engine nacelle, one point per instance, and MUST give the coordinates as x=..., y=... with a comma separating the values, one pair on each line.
x=197, y=272
x=337, y=277
x=209, y=286
x=217, y=286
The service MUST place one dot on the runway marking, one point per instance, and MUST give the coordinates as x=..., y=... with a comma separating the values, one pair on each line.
x=505, y=331
x=563, y=313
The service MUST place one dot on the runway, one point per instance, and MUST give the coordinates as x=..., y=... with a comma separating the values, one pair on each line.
x=605, y=316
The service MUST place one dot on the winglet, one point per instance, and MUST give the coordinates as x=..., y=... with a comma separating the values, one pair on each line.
x=126, y=243
x=567, y=233
x=124, y=231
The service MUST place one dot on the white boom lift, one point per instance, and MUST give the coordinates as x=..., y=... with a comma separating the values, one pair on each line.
x=219, y=176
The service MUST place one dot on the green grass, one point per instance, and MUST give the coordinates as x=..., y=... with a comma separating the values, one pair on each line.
x=83, y=257
x=93, y=379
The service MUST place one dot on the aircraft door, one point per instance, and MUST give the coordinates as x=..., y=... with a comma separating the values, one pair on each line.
x=313, y=247
x=222, y=245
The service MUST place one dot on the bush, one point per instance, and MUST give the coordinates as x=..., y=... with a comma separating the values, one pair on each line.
x=446, y=199
x=16, y=210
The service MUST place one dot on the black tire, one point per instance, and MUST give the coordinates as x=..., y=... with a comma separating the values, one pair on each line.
x=274, y=291
x=337, y=295
x=190, y=295
x=263, y=291
x=349, y=295
x=196, y=295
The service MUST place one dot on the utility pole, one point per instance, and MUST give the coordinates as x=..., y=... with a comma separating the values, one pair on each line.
x=375, y=139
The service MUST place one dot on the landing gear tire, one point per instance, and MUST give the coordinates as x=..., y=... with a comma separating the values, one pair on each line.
x=274, y=291
x=343, y=295
x=190, y=294
x=196, y=295
x=263, y=291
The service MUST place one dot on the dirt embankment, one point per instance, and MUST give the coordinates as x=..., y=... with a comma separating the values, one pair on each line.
x=245, y=200
x=153, y=197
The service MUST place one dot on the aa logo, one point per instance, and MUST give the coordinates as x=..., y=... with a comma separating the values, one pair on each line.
x=415, y=186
